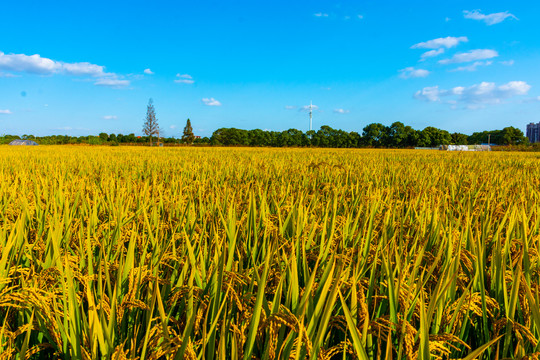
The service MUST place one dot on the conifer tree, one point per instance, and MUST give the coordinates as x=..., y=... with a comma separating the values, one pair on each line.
x=188, y=136
x=151, y=126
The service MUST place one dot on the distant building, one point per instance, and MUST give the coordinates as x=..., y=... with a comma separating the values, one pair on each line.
x=533, y=132
x=465, y=147
x=23, y=142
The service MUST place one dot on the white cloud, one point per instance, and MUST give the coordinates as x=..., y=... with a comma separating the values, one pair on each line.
x=306, y=107
x=446, y=42
x=172, y=127
x=184, y=79
x=36, y=64
x=211, y=102
x=5, y=112
x=489, y=19
x=429, y=93
x=148, y=72
x=360, y=16
x=507, y=62
x=112, y=82
x=474, y=66
x=290, y=107
x=28, y=63
x=473, y=55
x=516, y=87
x=110, y=117
x=411, y=72
x=84, y=68
x=431, y=53
x=341, y=111
x=320, y=14
x=476, y=95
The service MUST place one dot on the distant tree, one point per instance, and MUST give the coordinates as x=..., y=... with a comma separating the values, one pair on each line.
x=188, y=136
x=104, y=137
x=459, y=139
x=94, y=140
x=396, y=135
x=257, y=137
x=412, y=136
x=151, y=126
x=513, y=136
x=374, y=134
x=229, y=136
x=112, y=138
x=130, y=138
x=355, y=139
x=433, y=137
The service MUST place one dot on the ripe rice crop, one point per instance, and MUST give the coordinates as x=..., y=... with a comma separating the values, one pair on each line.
x=159, y=253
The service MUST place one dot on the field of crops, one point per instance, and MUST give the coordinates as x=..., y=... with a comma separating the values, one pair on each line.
x=209, y=253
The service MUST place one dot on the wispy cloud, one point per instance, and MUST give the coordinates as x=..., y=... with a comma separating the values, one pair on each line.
x=5, y=112
x=290, y=107
x=473, y=67
x=341, y=111
x=210, y=102
x=446, y=42
x=8, y=75
x=429, y=93
x=320, y=14
x=473, y=55
x=112, y=82
x=110, y=117
x=411, y=72
x=532, y=100
x=84, y=69
x=507, y=62
x=306, y=107
x=478, y=95
x=148, y=72
x=36, y=64
x=172, y=127
x=184, y=79
x=431, y=53
x=489, y=19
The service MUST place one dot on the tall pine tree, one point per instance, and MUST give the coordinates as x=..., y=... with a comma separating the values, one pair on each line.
x=188, y=136
x=151, y=126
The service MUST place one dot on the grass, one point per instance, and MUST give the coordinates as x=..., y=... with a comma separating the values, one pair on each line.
x=208, y=253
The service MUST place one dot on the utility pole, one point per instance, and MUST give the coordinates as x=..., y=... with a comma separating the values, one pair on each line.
x=489, y=139
x=311, y=115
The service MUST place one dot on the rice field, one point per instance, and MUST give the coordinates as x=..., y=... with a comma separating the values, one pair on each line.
x=243, y=253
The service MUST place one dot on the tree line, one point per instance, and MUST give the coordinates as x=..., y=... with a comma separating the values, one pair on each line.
x=377, y=135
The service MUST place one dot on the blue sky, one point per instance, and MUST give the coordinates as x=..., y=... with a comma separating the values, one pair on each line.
x=80, y=68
